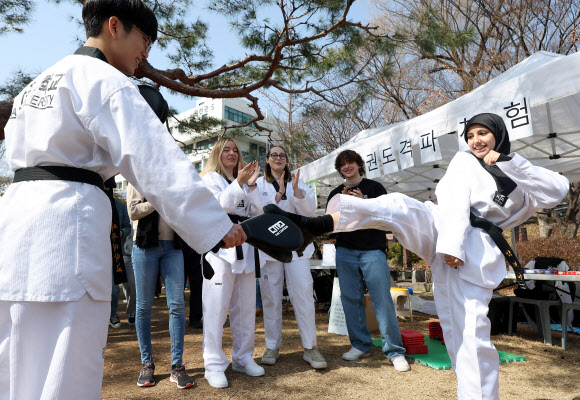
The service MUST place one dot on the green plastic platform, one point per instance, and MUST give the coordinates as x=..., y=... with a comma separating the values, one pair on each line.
x=438, y=358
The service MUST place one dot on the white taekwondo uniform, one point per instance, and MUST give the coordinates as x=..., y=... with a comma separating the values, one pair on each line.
x=297, y=272
x=233, y=285
x=462, y=295
x=55, y=263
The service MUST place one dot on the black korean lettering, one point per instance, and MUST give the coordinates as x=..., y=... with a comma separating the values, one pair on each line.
x=518, y=114
x=388, y=156
x=428, y=140
x=462, y=128
x=406, y=147
x=372, y=161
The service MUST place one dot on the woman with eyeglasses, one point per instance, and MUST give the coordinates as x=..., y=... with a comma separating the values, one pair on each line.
x=278, y=186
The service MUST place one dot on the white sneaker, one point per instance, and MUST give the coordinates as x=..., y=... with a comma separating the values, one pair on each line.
x=270, y=356
x=400, y=363
x=314, y=358
x=216, y=379
x=250, y=368
x=355, y=354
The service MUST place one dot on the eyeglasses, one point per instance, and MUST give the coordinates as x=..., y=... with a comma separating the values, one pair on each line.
x=146, y=38
x=280, y=156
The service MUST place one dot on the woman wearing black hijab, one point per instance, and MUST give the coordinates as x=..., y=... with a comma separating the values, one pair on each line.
x=466, y=264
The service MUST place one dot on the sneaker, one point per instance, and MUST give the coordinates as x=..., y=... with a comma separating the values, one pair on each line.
x=355, y=354
x=115, y=322
x=132, y=319
x=216, y=379
x=314, y=358
x=250, y=368
x=146, y=375
x=179, y=375
x=270, y=356
x=400, y=363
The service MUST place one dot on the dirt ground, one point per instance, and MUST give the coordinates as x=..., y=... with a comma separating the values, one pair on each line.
x=548, y=373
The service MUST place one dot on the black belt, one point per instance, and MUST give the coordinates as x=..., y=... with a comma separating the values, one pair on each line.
x=236, y=219
x=56, y=173
x=495, y=233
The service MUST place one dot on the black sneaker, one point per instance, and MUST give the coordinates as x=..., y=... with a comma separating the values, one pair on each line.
x=180, y=376
x=132, y=319
x=146, y=375
x=115, y=322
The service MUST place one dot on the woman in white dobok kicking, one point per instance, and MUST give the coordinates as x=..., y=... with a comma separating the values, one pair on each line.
x=491, y=183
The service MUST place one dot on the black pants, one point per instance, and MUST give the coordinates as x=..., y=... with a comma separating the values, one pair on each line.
x=192, y=269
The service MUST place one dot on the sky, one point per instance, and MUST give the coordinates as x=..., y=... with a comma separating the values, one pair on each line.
x=53, y=34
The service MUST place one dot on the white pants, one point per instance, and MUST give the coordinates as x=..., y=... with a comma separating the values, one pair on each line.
x=461, y=306
x=299, y=285
x=52, y=350
x=236, y=292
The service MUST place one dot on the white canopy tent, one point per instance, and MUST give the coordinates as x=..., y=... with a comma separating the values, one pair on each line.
x=538, y=98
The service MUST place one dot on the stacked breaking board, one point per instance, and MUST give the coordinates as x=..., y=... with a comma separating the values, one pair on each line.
x=413, y=342
x=435, y=331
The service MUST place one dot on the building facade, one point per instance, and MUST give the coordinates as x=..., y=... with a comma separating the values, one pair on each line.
x=197, y=145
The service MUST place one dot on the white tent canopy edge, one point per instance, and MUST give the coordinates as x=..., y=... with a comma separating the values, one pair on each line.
x=411, y=157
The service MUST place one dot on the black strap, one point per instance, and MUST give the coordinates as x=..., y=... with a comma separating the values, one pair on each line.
x=496, y=235
x=72, y=174
x=257, y=262
x=236, y=219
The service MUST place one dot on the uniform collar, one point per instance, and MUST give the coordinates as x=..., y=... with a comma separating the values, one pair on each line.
x=91, y=52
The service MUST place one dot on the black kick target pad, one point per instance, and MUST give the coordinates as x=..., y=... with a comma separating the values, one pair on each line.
x=273, y=234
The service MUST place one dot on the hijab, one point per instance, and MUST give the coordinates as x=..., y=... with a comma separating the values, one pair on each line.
x=493, y=122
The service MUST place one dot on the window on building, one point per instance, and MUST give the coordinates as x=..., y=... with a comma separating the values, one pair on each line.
x=188, y=149
x=237, y=116
x=206, y=144
x=257, y=151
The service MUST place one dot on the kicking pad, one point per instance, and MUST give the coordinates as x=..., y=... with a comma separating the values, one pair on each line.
x=273, y=234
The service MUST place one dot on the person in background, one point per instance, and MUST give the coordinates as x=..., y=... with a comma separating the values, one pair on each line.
x=129, y=286
x=192, y=263
x=233, y=285
x=125, y=230
x=361, y=260
x=157, y=250
x=278, y=186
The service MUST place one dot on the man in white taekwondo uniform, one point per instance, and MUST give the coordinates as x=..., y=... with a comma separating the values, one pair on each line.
x=55, y=264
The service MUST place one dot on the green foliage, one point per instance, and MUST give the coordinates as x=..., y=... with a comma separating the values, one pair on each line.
x=14, y=14
x=197, y=124
x=395, y=254
x=15, y=84
x=435, y=33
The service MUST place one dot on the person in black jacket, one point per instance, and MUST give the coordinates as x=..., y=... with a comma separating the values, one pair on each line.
x=360, y=259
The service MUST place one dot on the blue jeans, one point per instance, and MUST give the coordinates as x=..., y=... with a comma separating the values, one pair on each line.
x=375, y=270
x=147, y=263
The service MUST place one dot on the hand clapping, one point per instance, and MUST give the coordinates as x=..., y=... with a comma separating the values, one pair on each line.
x=246, y=173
